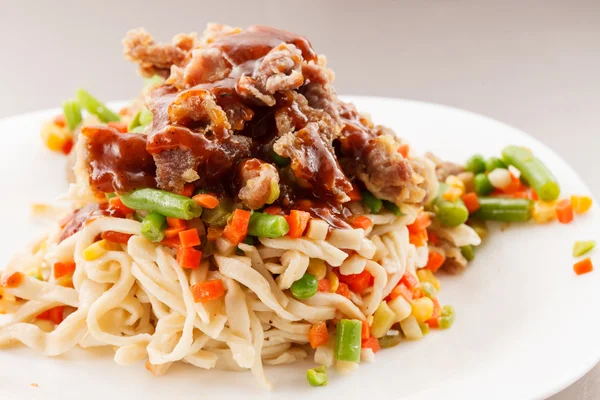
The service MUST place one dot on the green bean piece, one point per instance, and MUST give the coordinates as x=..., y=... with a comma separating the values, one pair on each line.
x=135, y=122
x=95, y=106
x=249, y=240
x=424, y=328
x=483, y=186
x=393, y=208
x=109, y=195
x=371, y=202
x=305, y=287
x=139, y=217
x=492, y=163
x=582, y=247
x=504, y=209
x=279, y=160
x=446, y=320
x=449, y=213
x=468, y=252
x=145, y=117
x=153, y=227
x=390, y=341
x=534, y=171
x=165, y=203
x=317, y=376
x=348, y=340
x=141, y=119
x=475, y=164
x=267, y=225
x=219, y=215
x=72, y=113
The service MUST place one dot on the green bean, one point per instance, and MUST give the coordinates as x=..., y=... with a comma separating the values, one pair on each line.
x=305, y=287
x=279, y=160
x=449, y=213
x=475, y=164
x=348, y=340
x=72, y=113
x=371, y=202
x=317, y=376
x=393, y=208
x=468, y=252
x=153, y=227
x=494, y=162
x=165, y=203
x=219, y=215
x=534, y=171
x=446, y=320
x=145, y=117
x=482, y=184
x=504, y=209
x=95, y=106
x=390, y=341
x=267, y=225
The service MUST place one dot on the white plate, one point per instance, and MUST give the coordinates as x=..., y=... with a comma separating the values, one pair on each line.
x=526, y=325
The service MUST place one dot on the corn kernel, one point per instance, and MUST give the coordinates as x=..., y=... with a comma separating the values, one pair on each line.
x=94, y=251
x=425, y=275
x=453, y=193
x=334, y=281
x=581, y=204
x=422, y=309
x=468, y=179
x=54, y=136
x=543, y=212
x=317, y=268
x=455, y=181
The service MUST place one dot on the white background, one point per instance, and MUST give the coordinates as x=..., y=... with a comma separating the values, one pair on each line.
x=531, y=64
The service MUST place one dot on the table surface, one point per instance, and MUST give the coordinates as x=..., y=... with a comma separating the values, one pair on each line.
x=533, y=65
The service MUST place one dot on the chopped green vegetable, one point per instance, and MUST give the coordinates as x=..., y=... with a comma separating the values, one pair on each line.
x=390, y=341
x=279, y=160
x=449, y=213
x=475, y=164
x=582, y=247
x=424, y=328
x=317, y=376
x=109, y=195
x=504, y=209
x=428, y=289
x=95, y=106
x=219, y=215
x=72, y=113
x=383, y=319
x=305, y=287
x=393, y=208
x=153, y=227
x=446, y=320
x=249, y=240
x=348, y=340
x=141, y=119
x=165, y=203
x=371, y=202
x=468, y=252
x=534, y=171
x=267, y=225
x=145, y=117
x=494, y=162
x=482, y=184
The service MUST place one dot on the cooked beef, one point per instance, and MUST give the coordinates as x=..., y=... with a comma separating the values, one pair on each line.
x=444, y=169
x=259, y=183
x=205, y=66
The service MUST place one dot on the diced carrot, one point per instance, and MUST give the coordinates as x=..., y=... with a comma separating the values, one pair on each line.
x=189, y=238
x=237, y=228
x=366, y=330
x=116, y=237
x=371, y=343
x=418, y=239
x=67, y=146
x=421, y=222
x=121, y=127
x=417, y=293
x=357, y=282
x=171, y=242
x=534, y=195
x=471, y=202
x=60, y=121
x=433, y=323
x=584, y=266
x=188, y=257
x=273, y=210
x=432, y=238
x=55, y=315
x=213, y=233
x=564, y=211
x=172, y=232
x=343, y=290
x=435, y=261
x=118, y=208
x=437, y=308
x=409, y=280
x=297, y=220
x=13, y=280
x=318, y=335
x=362, y=222
x=401, y=290
x=324, y=285
x=207, y=290
x=188, y=190
x=514, y=186
x=63, y=268
x=403, y=149
x=354, y=194
x=176, y=222
x=206, y=200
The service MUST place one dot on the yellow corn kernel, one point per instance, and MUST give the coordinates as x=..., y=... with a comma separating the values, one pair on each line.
x=334, y=281
x=94, y=251
x=422, y=309
x=468, y=179
x=543, y=212
x=581, y=204
x=453, y=193
x=425, y=275
x=455, y=181
x=317, y=268
x=54, y=136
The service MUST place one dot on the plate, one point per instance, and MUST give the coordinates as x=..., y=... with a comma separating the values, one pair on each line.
x=525, y=326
